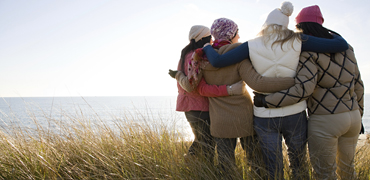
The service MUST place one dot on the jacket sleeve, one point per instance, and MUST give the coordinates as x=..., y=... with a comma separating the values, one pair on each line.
x=208, y=90
x=184, y=81
x=234, y=56
x=260, y=83
x=201, y=86
x=359, y=90
x=316, y=44
x=359, y=86
x=305, y=83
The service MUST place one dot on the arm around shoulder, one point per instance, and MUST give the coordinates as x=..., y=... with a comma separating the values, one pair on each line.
x=209, y=90
x=184, y=81
x=233, y=56
x=323, y=45
x=260, y=83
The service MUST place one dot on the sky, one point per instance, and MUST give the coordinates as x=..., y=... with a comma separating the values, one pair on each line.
x=125, y=48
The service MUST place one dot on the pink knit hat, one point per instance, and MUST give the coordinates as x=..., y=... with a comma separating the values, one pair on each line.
x=310, y=14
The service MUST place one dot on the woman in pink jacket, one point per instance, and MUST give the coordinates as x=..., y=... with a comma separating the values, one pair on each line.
x=192, y=103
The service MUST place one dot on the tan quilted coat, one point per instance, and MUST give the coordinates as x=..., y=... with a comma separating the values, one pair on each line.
x=330, y=84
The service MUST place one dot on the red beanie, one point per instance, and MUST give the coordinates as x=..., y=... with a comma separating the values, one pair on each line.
x=310, y=14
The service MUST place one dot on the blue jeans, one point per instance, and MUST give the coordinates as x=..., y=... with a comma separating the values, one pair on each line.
x=270, y=132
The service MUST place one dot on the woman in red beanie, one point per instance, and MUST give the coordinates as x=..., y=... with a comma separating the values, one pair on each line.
x=335, y=102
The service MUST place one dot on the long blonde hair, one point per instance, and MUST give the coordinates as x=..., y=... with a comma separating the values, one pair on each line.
x=284, y=35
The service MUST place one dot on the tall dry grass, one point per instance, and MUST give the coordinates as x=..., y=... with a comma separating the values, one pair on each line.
x=77, y=147
x=362, y=161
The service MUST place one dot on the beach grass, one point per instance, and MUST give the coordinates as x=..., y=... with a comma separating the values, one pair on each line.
x=77, y=147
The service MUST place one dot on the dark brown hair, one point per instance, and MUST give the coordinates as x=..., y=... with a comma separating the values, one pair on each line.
x=192, y=46
x=315, y=29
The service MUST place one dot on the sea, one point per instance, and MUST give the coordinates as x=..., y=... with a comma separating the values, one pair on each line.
x=36, y=112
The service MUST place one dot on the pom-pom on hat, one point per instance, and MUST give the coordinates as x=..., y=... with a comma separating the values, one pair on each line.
x=224, y=29
x=198, y=32
x=280, y=15
x=310, y=14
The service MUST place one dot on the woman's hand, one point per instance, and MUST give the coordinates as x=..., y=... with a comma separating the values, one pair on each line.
x=259, y=100
x=172, y=73
x=236, y=88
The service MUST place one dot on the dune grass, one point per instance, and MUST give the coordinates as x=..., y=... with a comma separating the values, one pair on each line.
x=87, y=148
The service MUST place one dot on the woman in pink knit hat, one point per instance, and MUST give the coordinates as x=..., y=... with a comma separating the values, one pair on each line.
x=335, y=102
x=336, y=105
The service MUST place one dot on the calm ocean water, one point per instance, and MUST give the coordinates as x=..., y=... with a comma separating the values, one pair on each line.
x=155, y=110
x=16, y=111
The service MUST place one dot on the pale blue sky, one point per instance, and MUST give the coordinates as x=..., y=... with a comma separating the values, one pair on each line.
x=125, y=48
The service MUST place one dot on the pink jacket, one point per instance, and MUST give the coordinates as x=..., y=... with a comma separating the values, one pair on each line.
x=193, y=101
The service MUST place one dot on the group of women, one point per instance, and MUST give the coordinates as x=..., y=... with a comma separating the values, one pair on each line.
x=313, y=70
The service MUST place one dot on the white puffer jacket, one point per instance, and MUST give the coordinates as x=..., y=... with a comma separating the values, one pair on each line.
x=276, y=61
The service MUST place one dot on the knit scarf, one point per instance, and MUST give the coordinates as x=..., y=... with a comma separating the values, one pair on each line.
x=199, y=61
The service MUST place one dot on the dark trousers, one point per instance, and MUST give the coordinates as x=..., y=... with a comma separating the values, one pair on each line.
x=294, y=130
x=203, y=144
x=226, y=153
